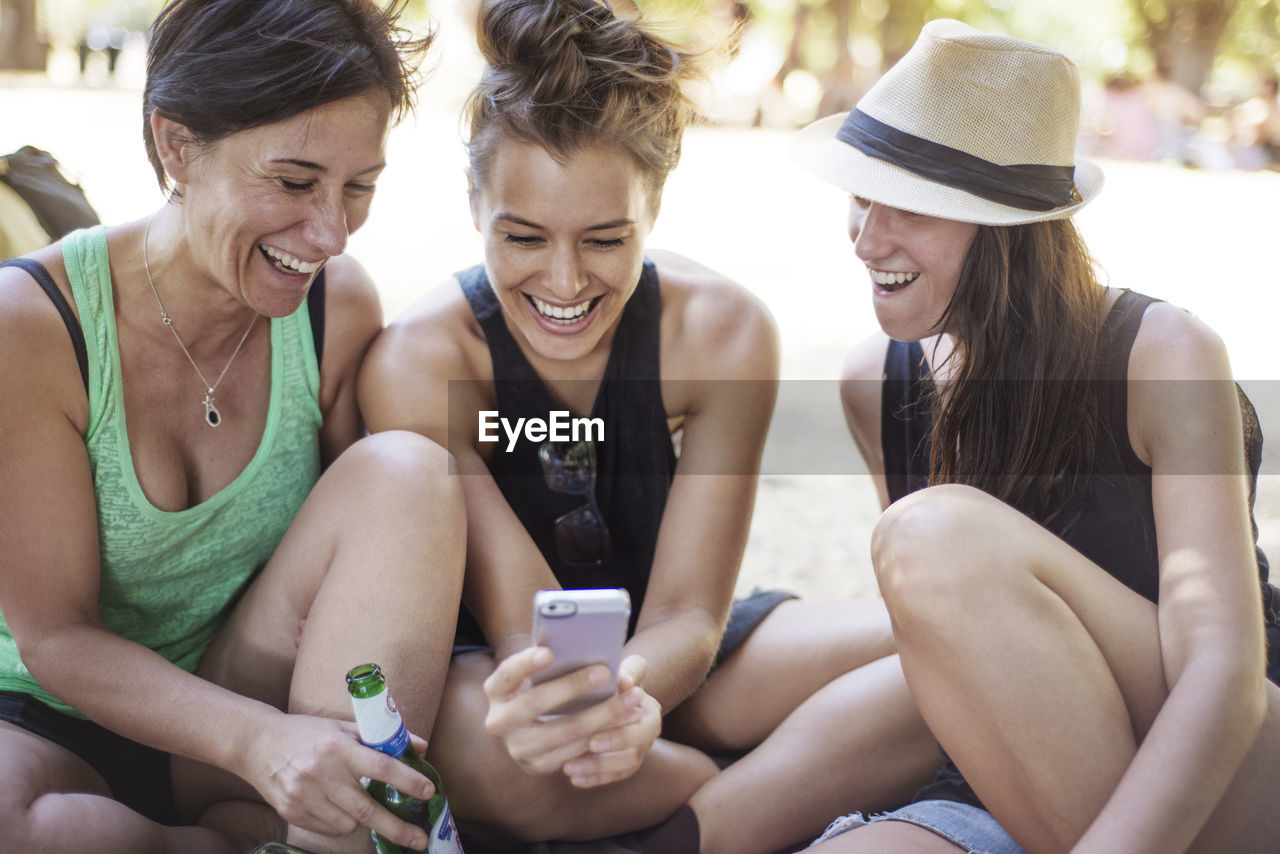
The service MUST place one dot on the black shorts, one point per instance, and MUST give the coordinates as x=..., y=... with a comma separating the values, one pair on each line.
x=137, y=775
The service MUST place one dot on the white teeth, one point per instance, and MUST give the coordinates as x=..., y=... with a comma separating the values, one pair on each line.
x=287, y=262
x=881, y=277
x=565, y=314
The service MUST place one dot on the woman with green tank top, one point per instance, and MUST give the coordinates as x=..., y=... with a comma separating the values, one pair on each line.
x=196, y=542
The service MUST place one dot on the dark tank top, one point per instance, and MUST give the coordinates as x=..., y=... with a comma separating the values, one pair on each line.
x=634, y=463
x=1115, y=526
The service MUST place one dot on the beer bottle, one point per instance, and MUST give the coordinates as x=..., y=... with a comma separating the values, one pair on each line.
x=382, y=728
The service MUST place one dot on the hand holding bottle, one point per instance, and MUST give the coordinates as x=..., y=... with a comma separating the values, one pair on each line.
x=309, y=770
x=382, y=728
x=625, y=724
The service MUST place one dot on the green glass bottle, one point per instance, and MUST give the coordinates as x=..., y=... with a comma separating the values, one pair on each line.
x=382, y=728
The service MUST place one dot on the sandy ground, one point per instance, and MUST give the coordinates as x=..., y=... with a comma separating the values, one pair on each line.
x=1206, y=241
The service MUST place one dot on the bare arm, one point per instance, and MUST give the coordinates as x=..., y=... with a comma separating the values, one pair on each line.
x=860, y=390
x=353, y=317
x=1184, y=419
x=49, y=560
x=50, y=577
x=724, y=342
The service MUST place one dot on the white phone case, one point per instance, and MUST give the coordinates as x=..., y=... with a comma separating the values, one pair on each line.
x=581, y=628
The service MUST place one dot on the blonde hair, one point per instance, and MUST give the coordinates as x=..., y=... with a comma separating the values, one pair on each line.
x=570, y=74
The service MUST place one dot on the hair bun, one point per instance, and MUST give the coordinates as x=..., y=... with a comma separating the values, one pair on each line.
x=567, y=73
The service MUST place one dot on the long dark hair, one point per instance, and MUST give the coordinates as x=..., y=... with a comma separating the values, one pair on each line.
x=1018, y=415
x=222, y=66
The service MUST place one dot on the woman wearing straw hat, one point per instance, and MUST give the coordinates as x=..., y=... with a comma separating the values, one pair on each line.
x=1068, y=560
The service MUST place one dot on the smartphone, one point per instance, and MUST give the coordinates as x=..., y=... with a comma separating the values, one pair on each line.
x=581, y=628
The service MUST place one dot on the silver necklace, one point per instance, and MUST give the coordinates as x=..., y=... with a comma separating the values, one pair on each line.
x=212, y=416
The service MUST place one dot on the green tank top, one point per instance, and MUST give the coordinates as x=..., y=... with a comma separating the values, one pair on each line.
x=170, y=578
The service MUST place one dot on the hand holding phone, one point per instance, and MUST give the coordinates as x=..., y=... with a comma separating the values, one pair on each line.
x=581, y=628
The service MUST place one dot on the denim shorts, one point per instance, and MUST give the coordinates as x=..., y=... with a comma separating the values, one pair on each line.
x=973, y=829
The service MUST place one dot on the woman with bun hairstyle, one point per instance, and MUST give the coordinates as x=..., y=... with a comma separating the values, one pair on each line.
x=573, y=129
x=184, y=476
x=1077, y=598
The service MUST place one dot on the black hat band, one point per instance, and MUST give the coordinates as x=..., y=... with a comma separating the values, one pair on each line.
x=1032, y=187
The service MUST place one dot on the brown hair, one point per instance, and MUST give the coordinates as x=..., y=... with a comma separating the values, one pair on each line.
x=222, y=66
x=568, y=74
x=1020, y=415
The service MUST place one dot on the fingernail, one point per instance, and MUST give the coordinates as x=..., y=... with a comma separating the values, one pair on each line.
x=542, y=655
x=598, y=675
x=573, y=769
x=599, y=745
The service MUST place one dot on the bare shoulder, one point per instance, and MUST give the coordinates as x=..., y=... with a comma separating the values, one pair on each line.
x=713, y=327
x=435, y=335
x=404, y=381
x=1172, y=343
x=14, y=279
x=38, y=367
x=865, y=361
x=861, y=379
x=350, y=294
x=1182, y=398
x=25, y=310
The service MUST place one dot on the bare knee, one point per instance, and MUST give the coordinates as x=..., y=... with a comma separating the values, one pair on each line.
x=402, y=461
x=35, y=769
x=933, y=548
x=15, y=816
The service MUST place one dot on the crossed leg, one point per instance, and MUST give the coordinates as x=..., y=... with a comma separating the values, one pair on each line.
x=496, y=800
x=814, y=694
x=816, y=700
x=373, y=563
x=52, y=800
x=1039, y=672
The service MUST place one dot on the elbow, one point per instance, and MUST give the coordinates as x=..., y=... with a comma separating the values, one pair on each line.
x=46, y=654
x=1251, y=686
x=1241, y=682
x=1254, y=704
x=40, y=655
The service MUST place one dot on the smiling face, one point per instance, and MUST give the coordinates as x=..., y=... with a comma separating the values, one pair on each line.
x=563, y=244
x=914, y=262
x=265, y=208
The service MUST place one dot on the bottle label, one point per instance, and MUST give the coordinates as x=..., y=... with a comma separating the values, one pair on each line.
x=380, y=724
x=444, y=834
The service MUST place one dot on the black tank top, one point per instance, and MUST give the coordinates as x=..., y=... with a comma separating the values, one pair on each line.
x=1115, y=527
x=634, y=463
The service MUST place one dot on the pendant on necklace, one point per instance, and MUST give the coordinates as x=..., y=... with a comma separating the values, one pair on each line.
x=212, y=416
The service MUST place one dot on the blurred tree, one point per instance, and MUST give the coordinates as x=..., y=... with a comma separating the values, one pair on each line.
x=21, y=47
x=1184, y=36
x=1188, y=39
x=1252, y=39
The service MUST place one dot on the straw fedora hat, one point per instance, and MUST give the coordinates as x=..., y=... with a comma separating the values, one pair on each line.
x=967, y=126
